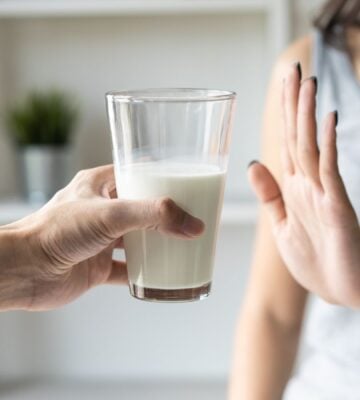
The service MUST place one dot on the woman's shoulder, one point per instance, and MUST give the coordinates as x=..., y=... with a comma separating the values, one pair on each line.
x=299, y=51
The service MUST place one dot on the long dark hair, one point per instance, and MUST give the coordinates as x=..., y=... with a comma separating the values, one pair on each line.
x=334, y=17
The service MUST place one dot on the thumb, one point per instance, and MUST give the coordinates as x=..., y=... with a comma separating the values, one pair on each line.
x=162, y=214
x=267, y=191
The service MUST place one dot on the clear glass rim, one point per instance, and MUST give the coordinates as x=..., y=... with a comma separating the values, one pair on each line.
x=178, y=95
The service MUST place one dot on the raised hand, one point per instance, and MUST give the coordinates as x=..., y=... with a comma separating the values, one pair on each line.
x=314, y=224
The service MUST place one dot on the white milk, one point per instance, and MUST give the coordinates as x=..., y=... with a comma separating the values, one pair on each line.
x=156, y=260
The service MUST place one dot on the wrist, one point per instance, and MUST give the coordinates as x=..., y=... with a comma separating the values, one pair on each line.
x=16, y=283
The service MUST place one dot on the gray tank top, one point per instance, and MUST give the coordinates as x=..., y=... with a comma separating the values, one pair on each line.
x=330, y=369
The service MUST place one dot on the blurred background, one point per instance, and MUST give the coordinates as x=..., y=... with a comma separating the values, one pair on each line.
x=59, y=57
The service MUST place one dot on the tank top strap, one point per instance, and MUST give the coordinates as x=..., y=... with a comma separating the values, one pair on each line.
x=338, y=87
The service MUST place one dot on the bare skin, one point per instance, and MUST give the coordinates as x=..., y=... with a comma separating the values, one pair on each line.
x=56, y=254
x=303, y=194
x=353, y=40
x=314, y=224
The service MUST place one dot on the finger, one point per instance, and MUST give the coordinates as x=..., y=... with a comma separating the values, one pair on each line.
x=120, y=216
x=268, y=191
x=118, y=274
x=286, y=162
x=307, y=148
x=95, y=181
x=104, y=181
x=329, y=170
x=291, y=94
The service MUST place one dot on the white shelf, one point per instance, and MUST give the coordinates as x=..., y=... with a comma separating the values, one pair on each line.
x=234, y=214
x=83, y=8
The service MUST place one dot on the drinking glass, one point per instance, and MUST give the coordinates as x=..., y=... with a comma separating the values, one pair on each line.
x=172, y=143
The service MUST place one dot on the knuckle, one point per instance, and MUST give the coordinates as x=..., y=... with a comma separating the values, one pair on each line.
x=305, y=152
x=84, y=176
x=327, y=171
x=305, y=112
x=81, y=174
x=291, y=133
x=82, y=184
x=168, y=210
x=166, y=207
x=59, y=196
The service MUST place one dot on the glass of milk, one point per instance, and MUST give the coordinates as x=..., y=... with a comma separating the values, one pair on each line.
x=172, y=143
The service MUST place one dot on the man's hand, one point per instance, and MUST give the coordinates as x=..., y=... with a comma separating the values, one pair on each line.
x=51, y=257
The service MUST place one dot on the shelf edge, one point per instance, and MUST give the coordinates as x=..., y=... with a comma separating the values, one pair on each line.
x=81, y=8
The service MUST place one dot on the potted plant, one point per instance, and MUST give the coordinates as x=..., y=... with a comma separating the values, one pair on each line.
x=41, y=127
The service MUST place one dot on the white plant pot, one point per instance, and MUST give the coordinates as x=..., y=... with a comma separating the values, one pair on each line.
x=45, y=171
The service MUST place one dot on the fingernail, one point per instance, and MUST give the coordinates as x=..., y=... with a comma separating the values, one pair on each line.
x=336, y=117
x=192, y=226
x=252, y=162
x=298, y=67
x=314, y=79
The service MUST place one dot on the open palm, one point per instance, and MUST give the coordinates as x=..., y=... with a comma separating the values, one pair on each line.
x=314, y=224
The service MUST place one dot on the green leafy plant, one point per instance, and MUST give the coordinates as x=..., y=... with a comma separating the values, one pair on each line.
x=43, y=118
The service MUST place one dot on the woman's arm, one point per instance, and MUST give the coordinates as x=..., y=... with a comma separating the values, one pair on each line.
x=271, y=317
x=269, y=327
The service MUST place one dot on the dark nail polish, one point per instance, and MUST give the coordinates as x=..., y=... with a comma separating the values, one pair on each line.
x=336, y=117
x=252, y=162
x=298, y=67
x=314, y=78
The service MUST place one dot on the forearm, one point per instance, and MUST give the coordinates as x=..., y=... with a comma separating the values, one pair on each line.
x=16, y=289
x=264, y=355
